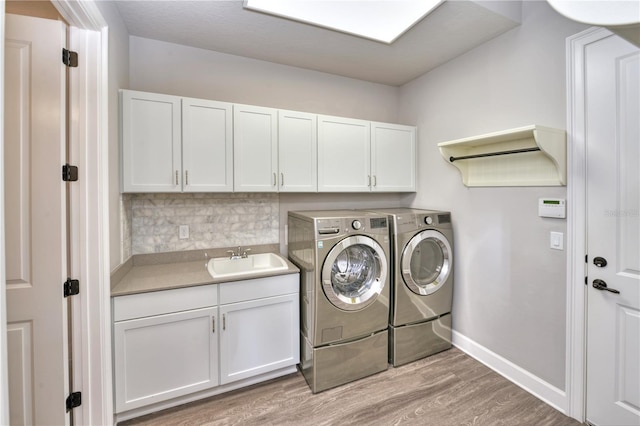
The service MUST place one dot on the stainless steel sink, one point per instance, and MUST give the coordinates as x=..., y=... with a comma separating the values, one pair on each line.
x=253, y=264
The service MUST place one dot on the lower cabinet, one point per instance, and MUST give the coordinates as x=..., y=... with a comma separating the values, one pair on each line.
x=165, y=356
x=172, y=344
x=258, y=336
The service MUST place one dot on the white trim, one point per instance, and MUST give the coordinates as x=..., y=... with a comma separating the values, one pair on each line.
x=90, y=232
x=89, y=229
x=4, y=371
x=576, y=220
x=82, y=14
x=519, y=376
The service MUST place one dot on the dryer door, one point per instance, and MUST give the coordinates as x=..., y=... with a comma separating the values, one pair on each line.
x=426, y=262
x=354, y=273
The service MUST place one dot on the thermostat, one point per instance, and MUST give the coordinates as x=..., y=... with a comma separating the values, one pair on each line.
x=552, y=207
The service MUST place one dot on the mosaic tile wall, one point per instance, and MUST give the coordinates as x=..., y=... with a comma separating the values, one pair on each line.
x=214, y=219
x=126, y=234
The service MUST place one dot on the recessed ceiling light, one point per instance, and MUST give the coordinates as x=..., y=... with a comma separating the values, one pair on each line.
x=380, y=20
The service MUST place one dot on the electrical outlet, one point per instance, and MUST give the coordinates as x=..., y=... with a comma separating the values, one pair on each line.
x=183, y=232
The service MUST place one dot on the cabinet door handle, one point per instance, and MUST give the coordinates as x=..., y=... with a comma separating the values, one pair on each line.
x=213, y=324
x=224, y=322
x=186, y=177
x=281, y=179
x=176, y=177
x=368, y=180
x=375, y=180
x=274, y=179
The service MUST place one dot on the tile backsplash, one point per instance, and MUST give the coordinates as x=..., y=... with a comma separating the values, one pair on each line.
x=215, y=220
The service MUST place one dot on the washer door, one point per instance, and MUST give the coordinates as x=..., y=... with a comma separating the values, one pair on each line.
x=426, y=262
x=354, y=273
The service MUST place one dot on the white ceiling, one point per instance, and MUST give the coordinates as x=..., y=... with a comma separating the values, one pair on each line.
x=455, y=27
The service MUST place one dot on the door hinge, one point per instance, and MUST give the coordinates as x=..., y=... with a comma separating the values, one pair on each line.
x=69, y=173
x=586, y=280
x=70, y=58
x=71, y=287
x=586, y=258
x=74, y=400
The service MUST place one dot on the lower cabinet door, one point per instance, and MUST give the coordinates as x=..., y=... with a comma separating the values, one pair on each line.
x=258, y=336
x=165, y=356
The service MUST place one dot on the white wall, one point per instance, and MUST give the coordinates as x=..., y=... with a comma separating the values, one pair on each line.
x=118, y=79
x=509, y=293
x=186, y=71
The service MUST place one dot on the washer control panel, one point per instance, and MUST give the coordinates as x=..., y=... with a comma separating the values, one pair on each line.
x=341, y=226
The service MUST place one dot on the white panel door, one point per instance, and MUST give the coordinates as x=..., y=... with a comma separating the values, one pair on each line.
x=150, y=142
x=613, y=232
x=393, y=157
x=259, y=336
x=255, y=149
x=207, y=146
x=164, y=356
x=344, y=161
x=35, y=220
x=297, y=151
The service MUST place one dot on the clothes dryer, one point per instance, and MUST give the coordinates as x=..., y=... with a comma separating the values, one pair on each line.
x=422, y=283
x=344, y=307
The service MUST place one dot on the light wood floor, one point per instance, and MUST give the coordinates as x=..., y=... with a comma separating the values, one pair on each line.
x=449, y=388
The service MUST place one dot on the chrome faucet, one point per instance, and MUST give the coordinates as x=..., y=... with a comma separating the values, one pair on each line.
x=239, y=254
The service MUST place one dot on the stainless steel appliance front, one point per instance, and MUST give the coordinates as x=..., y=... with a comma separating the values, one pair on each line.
x=344, y=302
x=422, y=283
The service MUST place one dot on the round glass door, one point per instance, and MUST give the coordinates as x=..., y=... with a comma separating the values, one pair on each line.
x=426, y=262
x=354, y=273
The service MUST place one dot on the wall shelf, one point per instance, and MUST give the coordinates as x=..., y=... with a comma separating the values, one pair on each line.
x=526, y=156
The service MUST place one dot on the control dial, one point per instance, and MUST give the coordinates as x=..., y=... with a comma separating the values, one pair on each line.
x=356, y=224
x=428, y=220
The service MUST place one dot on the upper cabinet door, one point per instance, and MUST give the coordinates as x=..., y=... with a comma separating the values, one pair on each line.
x=255, y=149
x=207, y=146
x=343, y=155
x=150, y=142
x=393, y=158
x=297, y=152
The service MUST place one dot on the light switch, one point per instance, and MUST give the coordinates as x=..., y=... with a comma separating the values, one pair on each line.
x=557, y=241
x=183, y=232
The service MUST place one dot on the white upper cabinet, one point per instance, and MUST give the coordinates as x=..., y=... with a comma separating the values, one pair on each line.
x=297, y=152
x=176, y=144
x=207, y=146
x=255, y=149
x=344, y=154
x=150, y=149
x=393, y=157
x=173, y=144
x=363, y=156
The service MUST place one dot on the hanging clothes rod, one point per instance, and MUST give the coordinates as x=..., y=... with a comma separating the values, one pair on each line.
x=493, y=154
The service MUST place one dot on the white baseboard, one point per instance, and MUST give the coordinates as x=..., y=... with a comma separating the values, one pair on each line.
x=534, y=385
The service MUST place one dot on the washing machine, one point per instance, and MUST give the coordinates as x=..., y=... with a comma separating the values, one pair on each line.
x=422, y=283
x=344, y=296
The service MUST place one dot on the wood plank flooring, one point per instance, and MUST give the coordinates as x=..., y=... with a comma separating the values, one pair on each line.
x=449, y=388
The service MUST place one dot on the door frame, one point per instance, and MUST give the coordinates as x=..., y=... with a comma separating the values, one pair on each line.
x=4, y=372
x=90, y=228
x=576, y=328
x=91, y=309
